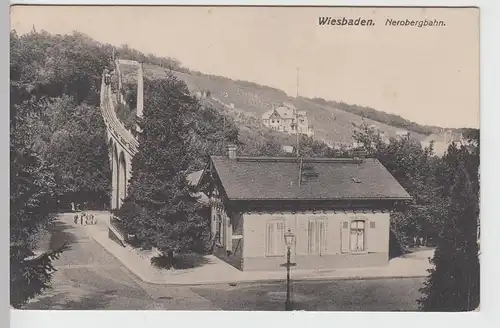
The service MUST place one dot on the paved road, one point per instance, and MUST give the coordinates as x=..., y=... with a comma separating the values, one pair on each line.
x=88, y=277
x=338, y=295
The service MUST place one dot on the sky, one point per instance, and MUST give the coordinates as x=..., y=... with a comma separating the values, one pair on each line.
x=429, y=75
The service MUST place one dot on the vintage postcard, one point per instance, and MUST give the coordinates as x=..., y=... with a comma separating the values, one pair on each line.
x=244, y=158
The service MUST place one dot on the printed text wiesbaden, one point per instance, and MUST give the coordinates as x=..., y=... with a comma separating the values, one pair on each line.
x=345, y=21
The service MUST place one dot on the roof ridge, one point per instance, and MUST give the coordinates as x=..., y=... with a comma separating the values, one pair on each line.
x=294, y=159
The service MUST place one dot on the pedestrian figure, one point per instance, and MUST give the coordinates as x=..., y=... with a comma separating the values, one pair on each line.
x=72, y=207
x=414, y=241
x=92, y=219
x=81, y=219
x=76, y=218
x=421, y=241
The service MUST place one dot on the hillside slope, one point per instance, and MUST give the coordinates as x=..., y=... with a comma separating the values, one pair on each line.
x=332, y=125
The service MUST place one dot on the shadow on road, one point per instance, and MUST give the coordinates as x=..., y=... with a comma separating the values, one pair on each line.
x=95, y=301
x=181, y=261
x=60, y=234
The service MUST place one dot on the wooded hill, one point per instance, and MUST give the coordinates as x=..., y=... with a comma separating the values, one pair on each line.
x=331, y=124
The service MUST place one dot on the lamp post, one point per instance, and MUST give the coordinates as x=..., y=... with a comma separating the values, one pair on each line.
x=289, y=238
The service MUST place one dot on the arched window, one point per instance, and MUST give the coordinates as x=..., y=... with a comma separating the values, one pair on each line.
x=357, y=240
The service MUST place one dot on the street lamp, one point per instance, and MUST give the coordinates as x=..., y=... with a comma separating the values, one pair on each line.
x=289, y=238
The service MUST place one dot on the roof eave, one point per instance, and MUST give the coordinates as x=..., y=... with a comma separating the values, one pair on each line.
x=323, y=199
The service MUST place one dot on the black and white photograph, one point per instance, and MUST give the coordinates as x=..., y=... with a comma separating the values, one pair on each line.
x=234, y=158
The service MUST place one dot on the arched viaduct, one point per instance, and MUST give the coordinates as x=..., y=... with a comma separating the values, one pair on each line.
x=122, y=143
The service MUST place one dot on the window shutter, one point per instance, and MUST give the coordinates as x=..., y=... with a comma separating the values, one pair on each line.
x=214, y=222
x=280, y=238
x=371, y=241
x=269, y=238
x=361, y=235
x=322, y=237
x=344, y=237
x=222, y=227
x=310, y=237
x=229, y=234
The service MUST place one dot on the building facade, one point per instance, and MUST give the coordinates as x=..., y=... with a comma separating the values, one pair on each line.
x=286, y=118
x=338, y=210
x=441, y=142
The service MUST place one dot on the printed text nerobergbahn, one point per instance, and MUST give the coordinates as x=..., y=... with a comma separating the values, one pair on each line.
x=343, y=21
x=414, y=23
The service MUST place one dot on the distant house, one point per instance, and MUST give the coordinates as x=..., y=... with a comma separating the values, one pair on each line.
x=442, y=141
x=284, y=118
x=337, y=208
x=402, y=133
x=201, y=95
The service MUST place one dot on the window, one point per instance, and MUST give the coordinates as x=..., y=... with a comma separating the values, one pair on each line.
x=357, y=240
x=275, y=238
x=219, y=229
x=277, y=121
x=317, y=237
x=272, y=121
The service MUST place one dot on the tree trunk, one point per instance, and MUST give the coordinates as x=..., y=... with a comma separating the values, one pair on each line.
x=170, y=259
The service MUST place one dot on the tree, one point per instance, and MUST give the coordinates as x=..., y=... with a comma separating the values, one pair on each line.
x=211, y=133
x=453, y=284
x=160, y=207
x=71, y=138
x=414, y=167
x=31, y=205
x=60, y=77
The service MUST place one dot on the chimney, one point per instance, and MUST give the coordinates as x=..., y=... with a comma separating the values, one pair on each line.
x=231, y=151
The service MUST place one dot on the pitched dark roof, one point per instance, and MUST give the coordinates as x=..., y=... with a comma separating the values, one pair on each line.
x=271, y=178
x=194, y=179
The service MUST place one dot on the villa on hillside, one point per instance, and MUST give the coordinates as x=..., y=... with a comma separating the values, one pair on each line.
x=283, y=118
x=442, y=141
x=338, y=209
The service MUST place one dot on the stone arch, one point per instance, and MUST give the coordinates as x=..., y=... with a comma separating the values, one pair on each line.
x=115, y=182
x=122, y=179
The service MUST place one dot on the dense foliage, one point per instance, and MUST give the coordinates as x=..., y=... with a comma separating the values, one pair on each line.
x=444, y=208
x=60, y=77
x=453, y=284
x=416, y=169
x=57, y=147
x=32, y=202
x=160, y=207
